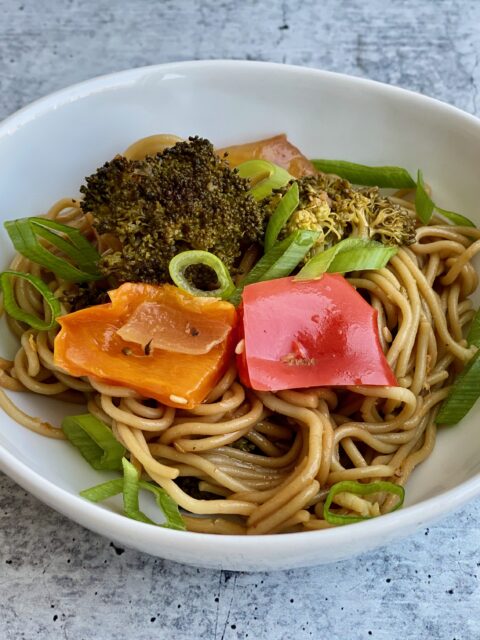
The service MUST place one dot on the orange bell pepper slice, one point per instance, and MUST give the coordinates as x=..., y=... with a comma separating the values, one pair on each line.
x=89, y=344
x=277, y=150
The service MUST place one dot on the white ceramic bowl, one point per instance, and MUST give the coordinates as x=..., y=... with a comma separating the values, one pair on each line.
x=46, y=150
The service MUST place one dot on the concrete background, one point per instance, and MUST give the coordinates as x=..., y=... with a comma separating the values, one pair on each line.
x=58, y=580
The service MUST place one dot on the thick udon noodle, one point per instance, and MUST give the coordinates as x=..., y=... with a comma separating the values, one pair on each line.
x=305, y=440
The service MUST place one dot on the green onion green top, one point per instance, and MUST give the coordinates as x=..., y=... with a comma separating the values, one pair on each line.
x=466, y=387
x=351, y=254
x=25, y=233
x=287, y=205
x=425, y=206
x=359, y=489
x=391, y=177
x=394, y=177
x=95, y=441
x=16, y=312
x=279, y=261
x=130, y=486
x=264, y=176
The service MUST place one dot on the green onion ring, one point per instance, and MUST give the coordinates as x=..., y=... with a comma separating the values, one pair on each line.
x=264, y=176
x=180, y=263
x=16, y=312
x=352, y=486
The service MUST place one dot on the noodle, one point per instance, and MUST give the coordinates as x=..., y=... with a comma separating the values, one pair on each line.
x=264, y=461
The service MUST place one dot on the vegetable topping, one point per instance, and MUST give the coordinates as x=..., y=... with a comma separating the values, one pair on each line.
x=183, y=261
x=165, y=327
x=7, y=279
x=95, y=441
x=183, y=198
x=353, y=488
x=130, y=486
x=395, y=177
x=28, y=236
x=158, y=340
x=351, y=254
x=308, y=333
x=464, y=391
x=336, y=210
x=279, y=261
x=277, y=150
x=263, y=176
x=260, y=226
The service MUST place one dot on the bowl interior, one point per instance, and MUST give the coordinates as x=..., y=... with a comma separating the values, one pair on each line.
x=48, y=148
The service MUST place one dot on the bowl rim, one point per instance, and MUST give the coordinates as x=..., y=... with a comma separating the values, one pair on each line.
x=98, y=517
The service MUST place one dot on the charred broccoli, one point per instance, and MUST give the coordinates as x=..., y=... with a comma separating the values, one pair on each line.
x=334, y=207
x=183, y=198
x=315, y=214
x=368, y=213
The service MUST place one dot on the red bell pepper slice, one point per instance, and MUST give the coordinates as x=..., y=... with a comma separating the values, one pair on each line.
x=309, y=333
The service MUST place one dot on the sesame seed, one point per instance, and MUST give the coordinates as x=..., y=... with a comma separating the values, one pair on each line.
x=178, y=399
x=240, y=348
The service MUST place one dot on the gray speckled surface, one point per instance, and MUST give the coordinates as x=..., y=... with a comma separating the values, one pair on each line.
x=58, y=580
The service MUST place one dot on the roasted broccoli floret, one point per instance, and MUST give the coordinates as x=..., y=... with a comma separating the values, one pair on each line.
x=183, y=198
x=337, y=210
x=315, y=214
x=369, y=214
x=86, y=294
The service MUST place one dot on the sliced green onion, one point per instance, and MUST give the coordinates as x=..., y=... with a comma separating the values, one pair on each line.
x=169, y=507
x=456, y=218
x=393, y=177
x=131, y=486
x=425, y=206
x=423, y=203
x=352, y=486
x=280, y=261
x=76, y=247
x=264, y=176
x=180, y=263
x=95, y=441
x=101, y=492
x=473, y=336
x=24, y=234
x=351, y=254
x=463, y=394
x=255, y=170
x=285, y=208
x=14, y=311
x=466, y=387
